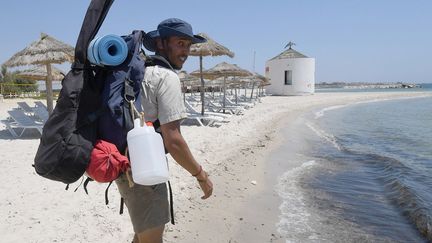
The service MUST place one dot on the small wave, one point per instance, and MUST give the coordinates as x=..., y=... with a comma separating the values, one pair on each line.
x=405, y=196
x=294, y=219
x=397, y=178
x=321, y=112
x=413, y=207
x=326, y=136
x=388, y=164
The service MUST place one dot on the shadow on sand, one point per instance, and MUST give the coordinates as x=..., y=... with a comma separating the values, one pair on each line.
x=27, y=135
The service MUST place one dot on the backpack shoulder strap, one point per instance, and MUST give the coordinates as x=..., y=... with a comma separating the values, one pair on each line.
x=137, y=36
x=154, y=60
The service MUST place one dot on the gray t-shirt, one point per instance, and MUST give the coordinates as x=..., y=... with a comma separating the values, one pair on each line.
x=162, y=96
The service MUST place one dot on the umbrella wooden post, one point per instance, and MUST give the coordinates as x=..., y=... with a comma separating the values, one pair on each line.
x=253, y=86
x=184, y=92
x=202, y=87
x=224, y=94
x=236, y=94
x=49, y=91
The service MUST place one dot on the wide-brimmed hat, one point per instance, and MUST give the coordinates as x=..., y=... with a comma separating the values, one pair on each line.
x=171, y=27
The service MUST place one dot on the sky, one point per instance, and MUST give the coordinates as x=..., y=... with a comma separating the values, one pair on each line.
x=351, y=40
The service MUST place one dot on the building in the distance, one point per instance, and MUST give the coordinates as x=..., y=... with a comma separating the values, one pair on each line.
x=290, y=73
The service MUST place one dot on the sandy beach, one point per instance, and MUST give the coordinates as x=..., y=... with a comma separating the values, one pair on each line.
x=244, y=207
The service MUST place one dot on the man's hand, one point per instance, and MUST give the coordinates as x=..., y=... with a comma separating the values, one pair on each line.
x=205, y=184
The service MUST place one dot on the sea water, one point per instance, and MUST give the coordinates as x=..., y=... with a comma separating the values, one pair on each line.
x=419, y=88
x=366, y=175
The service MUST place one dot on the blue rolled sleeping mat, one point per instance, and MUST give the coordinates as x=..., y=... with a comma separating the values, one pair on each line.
x=107, y=50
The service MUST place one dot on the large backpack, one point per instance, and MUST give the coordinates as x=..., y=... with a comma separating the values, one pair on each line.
x=91, y=97
x=70, y=132
x=94, y=103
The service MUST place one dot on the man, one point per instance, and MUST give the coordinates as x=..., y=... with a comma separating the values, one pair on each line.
x=162, y=99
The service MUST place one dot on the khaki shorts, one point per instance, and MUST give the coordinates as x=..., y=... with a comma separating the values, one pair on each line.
x=147, y=205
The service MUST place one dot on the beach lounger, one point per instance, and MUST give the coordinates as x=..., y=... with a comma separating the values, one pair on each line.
x=25, y=107
x=21, y=122
x=236, y=110
x=230, y=101
x=243, y=104
x=208, y=120
x=191, y=110
x=41, y=113
x=41, y=104
x=254, y=100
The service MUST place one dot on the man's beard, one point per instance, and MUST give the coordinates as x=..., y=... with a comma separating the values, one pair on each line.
x=175, y=66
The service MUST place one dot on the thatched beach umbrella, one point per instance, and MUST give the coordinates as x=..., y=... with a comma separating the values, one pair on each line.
x=209, y=48
x=45, y=51
x=224, y=70
x=256, y=78
x=264, y=82
x=39, y=72
x=226, y=82
x=187, y=80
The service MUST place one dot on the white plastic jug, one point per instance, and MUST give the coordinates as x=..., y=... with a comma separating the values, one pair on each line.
x=147, y=155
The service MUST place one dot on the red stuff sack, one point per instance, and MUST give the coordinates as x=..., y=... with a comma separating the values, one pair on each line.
x=106, y=162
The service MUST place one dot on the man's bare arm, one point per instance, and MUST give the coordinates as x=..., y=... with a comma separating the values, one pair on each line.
x=179, y=150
